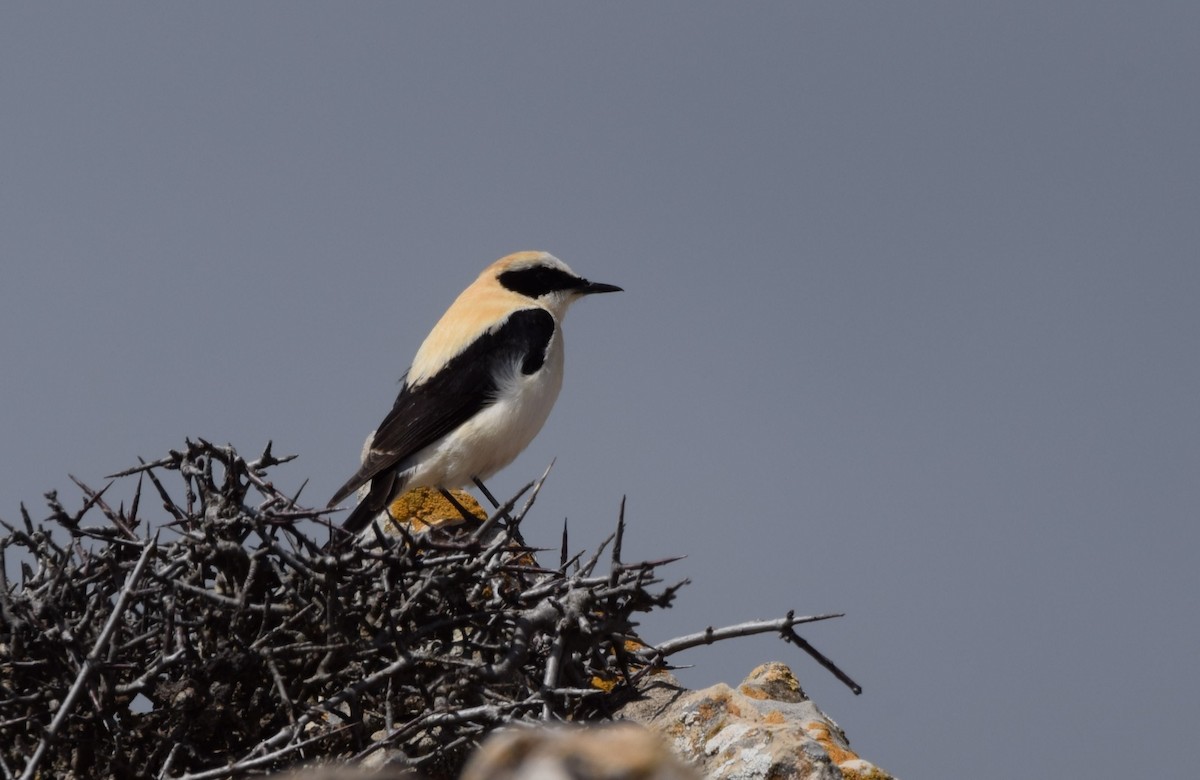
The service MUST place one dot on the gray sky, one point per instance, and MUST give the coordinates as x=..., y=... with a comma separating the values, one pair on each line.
x=910, y=328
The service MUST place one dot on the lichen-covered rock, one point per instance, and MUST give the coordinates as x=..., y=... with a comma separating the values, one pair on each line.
x=425, y=508
x=765, y=728
x=595, y=753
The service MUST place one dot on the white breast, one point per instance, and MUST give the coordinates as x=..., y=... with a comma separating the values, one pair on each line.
x=495, y=436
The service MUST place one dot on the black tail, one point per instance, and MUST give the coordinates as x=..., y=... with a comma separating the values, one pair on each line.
x=376, y=500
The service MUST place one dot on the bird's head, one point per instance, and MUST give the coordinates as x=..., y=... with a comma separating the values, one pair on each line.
x=543, y=278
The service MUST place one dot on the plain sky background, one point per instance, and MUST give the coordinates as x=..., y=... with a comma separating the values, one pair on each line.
x=910, y=324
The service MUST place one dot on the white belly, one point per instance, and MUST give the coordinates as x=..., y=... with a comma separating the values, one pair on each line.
x=495, y=436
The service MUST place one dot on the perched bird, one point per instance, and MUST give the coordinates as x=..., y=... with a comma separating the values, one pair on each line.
x=480, y=387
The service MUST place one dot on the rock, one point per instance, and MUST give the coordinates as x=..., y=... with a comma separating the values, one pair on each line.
x=423, y=509
x=579, y=753
x=766, y=728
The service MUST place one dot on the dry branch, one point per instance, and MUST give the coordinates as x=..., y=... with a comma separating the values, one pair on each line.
x=238, y=643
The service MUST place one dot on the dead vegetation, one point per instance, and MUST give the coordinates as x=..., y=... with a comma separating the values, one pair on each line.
x=216, y=634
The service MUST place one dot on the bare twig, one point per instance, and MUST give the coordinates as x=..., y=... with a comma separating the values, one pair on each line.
x=90, y=662
x=823, y=660
x=257, y=648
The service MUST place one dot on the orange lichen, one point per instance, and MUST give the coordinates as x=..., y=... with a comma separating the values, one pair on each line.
x=425, y=508
x=837, y=751
x=772, y=681
x=605, y=684
x=751, y=692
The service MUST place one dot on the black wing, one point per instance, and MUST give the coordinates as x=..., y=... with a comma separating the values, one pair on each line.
x=425, y=413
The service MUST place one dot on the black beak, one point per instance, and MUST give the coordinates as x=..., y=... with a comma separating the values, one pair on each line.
x=590, y=288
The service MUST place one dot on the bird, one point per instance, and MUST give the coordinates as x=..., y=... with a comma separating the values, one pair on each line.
x=479, y=388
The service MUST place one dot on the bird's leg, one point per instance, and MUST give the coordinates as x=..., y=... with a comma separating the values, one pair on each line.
x=512, y=525
x=486, y=493
x=462, y=510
